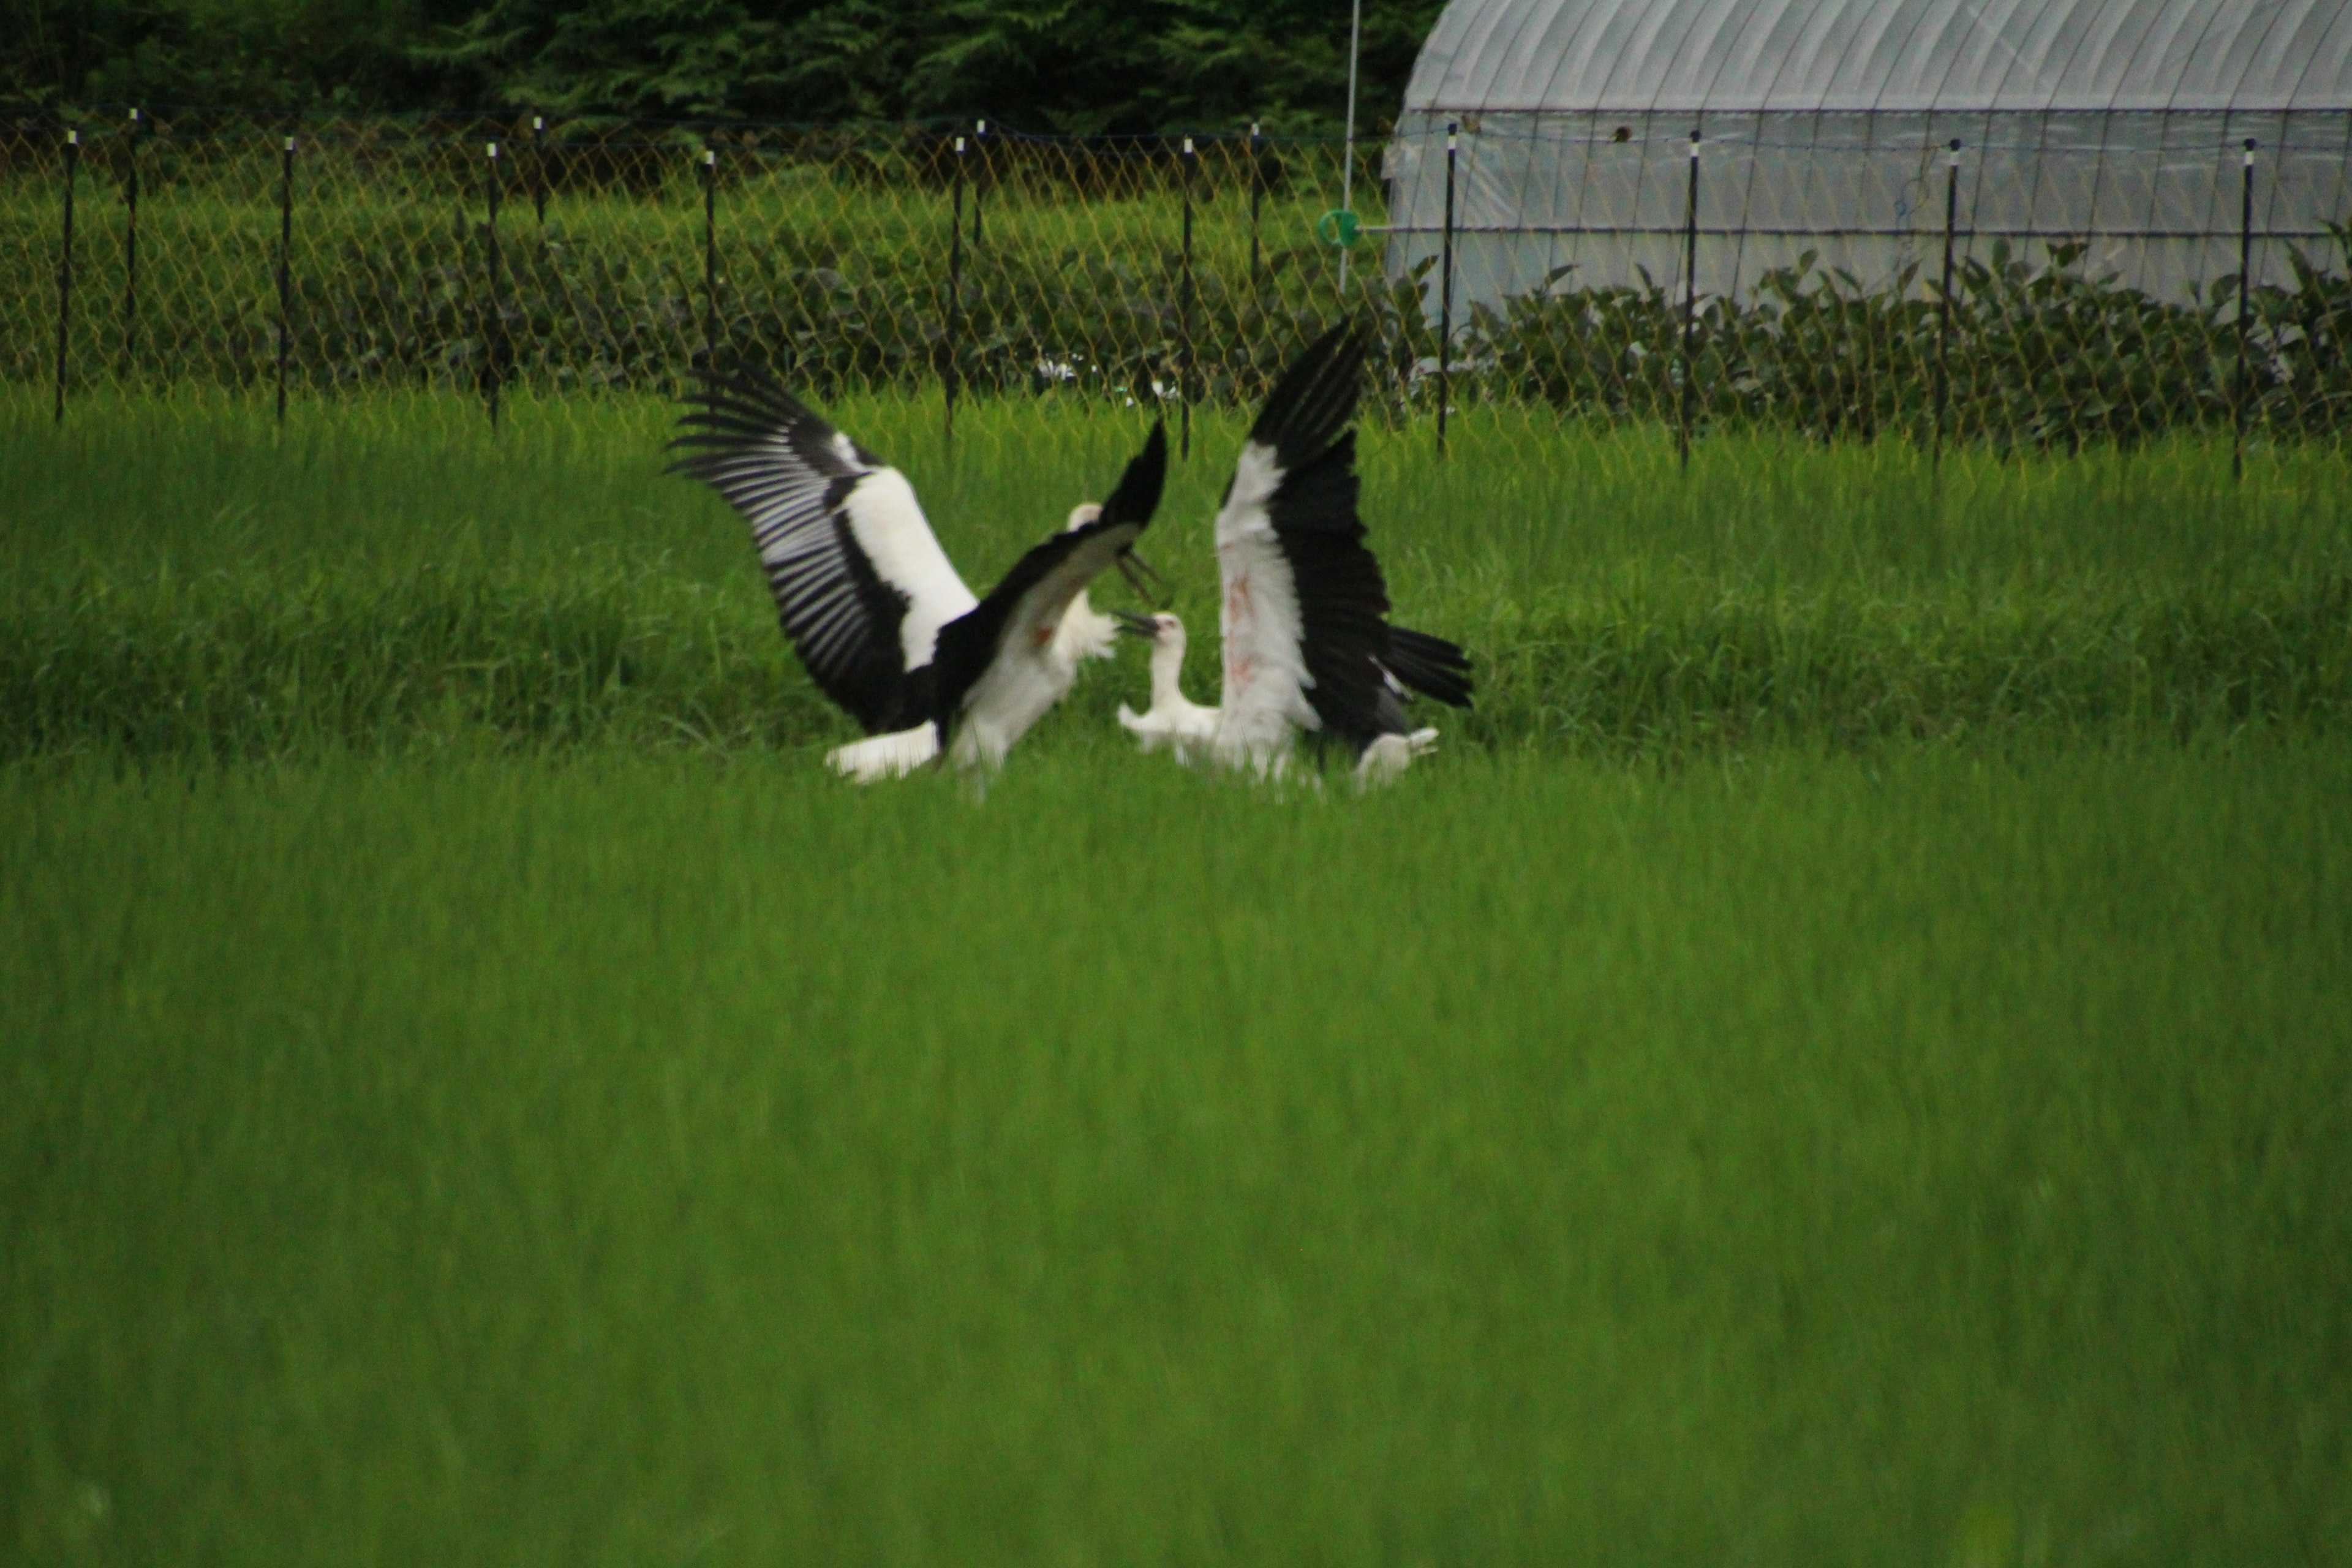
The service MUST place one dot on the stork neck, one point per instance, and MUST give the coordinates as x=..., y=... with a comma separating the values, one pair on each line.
x=1167, y=666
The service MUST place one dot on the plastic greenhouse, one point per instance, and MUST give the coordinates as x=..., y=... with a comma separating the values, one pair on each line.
x=1825, y=125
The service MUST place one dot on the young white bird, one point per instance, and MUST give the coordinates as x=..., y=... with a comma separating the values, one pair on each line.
x=1174, y=721
x=873, y=607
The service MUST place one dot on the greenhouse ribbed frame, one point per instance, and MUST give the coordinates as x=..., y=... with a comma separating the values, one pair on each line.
x=2120, y=127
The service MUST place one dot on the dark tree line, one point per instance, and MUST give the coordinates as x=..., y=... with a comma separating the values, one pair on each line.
x=1071, y=66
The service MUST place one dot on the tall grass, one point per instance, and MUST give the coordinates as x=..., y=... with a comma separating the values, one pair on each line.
x=1914, y=1160
x=186, y=578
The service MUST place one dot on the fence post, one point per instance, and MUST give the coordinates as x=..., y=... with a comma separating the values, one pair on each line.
x=1690, y=303
x=1257, y=192
x=65, y=266
x=710, y=259
x=494, y=322
x=1944, y=311
x=539, y=170
x=980, y=183
x=955, y=291
x=130, y=246
x=2245, y=310
x=1445, y=294
x=1184, y=318
x=285, y=269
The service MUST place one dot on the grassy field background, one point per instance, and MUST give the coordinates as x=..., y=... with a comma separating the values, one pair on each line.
x=1843, y=1060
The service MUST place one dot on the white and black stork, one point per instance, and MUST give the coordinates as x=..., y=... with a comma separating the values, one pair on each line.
x=1307, y=644
x=875, y=611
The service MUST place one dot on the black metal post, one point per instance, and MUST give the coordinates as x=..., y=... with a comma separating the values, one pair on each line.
x=285, y=270
x=1445, y=294
x=539, y=168
x=1690, y=304
x=710, y=259
x=65, y=266
x=131, y=245
x=1257, y=193
x=1944, y=309
x=494, y=322
x=1184, y=318
x=979, y=181
x=2245, y=312
x=955, y=291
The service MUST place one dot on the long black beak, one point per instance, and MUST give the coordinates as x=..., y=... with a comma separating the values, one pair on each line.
x=1137, y=626
x=1135, y=568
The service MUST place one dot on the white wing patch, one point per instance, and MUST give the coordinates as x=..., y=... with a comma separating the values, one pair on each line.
x=885, y=756
x=1266, y=678
x=887, y=523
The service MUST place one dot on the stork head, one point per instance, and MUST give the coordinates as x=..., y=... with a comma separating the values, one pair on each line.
x=1161, y=631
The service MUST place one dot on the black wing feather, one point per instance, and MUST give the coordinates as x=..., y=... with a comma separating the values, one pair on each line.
x=781, y=465
x=1431, y=666
x=969, y=644
x=1350, y=649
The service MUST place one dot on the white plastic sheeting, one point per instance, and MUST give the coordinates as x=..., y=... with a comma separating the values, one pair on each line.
x=1824, y=126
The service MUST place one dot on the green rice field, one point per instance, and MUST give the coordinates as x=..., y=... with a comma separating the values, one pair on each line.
x=1844, y=1057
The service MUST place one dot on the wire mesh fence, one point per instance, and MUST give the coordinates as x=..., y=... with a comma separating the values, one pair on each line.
x=183, y=254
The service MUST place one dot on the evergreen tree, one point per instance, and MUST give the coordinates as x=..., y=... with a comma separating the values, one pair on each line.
x=1072, y=66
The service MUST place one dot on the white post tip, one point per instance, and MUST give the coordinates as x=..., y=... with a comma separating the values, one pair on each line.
x=959, y=146
x=73, y=138
x=494, y=149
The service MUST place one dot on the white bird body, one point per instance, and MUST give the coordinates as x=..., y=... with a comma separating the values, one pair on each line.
x=1307, y=648
x=1010, y=696
x=1174, y=721
x=873, y=605
x=1263, y=700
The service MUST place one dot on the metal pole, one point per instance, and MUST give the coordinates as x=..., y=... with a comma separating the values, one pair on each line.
x=130, y=247
x=710, y=259
x=1690, y=302
x=1348, y=168
x=1445, y=296
x=1257, y=192
x=539, y=169
x=1184, y=320
x=285, y=269
x=955, y=289
x=65, y=266
x=979, y=146
x=1944, y=309
x=2245, y=310
x=494, y=327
